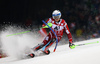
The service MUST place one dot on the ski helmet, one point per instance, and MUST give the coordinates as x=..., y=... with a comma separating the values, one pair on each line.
x=56, y=14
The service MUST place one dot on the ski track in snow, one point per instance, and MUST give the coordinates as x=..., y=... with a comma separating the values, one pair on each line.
x=86, y=54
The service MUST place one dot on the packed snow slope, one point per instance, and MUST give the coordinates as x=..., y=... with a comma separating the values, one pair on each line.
x=86, y=54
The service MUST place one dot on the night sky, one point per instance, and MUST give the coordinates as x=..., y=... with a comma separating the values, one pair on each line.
x=18, y=11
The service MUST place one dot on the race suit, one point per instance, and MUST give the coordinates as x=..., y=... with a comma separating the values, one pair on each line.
x=58, y=27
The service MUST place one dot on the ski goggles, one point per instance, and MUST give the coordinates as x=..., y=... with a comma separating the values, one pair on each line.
x=56, y=17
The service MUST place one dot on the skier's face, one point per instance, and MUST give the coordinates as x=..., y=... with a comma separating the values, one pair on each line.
x=57, y=19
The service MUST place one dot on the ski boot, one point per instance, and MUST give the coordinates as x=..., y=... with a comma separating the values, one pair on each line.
x=35, y=49
x=47, y=52
x=31, y=55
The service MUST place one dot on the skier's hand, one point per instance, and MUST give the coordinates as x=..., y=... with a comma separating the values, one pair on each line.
x=71, y=45
x=45, y=26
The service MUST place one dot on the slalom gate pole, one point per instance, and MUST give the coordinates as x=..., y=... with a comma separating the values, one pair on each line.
x=54, y=34
x=87, y=43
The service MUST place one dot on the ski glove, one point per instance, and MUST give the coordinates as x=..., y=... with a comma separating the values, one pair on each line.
x=71, y=45
x=49, y=24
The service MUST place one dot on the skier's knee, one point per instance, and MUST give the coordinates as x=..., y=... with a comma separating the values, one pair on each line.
x=54, y=39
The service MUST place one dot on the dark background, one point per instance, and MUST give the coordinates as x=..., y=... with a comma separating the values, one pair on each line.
x=19, y=10
x=80, y=13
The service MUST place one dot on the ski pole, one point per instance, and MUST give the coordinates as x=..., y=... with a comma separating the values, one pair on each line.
x=87, y=43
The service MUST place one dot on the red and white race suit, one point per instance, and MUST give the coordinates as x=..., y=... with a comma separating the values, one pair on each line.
x=59, y=28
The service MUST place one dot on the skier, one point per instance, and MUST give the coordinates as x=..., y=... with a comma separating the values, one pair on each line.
x=58, y=25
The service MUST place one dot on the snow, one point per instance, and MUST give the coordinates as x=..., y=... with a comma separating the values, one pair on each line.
x=86, y=54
